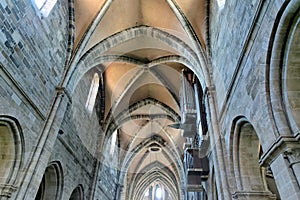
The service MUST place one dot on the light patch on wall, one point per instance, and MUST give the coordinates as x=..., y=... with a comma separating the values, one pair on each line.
x=113, y=142
x=158, y=192
x=90, y=102
x=45, y=6
x=221, y=3
x=146, y=193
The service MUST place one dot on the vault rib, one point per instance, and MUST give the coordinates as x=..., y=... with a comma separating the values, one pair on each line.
x=186, y=25
x=86, y=36
x=126, y=89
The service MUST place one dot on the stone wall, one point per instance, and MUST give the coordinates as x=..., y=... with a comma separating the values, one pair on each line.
x=33, y=50
x=108, y=173
x=76, y=147
x=85, y=124
x=76, y=160
x=240, y=85
x=32, y=58
x=230, y=29
x=240, y=40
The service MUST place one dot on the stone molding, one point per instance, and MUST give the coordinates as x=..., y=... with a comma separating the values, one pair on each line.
x=286, y=145
x=253, y=195
x=7, y=190
x=293, y=154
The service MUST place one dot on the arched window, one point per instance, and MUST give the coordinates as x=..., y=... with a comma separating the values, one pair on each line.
x=158, y=192
x=45, y=6
x=221, y=3
x=250, y=177
x=90, y=102
x=147, y=194
x=113, y=142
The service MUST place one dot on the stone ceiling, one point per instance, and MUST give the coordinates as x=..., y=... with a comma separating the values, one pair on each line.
x=143, y=45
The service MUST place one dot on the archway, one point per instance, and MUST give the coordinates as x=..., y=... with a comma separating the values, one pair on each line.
x=283, y=84
x=157, y=191
x=11, y=149
x=282, y=70
x=77, y=193
x=251, y=180
x=51, y=184
x=291, y=76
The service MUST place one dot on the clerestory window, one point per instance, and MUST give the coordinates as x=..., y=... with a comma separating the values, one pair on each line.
x=45, y=6
x=221, y=3
x=157, y=191
x=113, y=142
x=90, y=102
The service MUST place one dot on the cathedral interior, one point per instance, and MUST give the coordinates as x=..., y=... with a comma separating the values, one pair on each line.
x=149, y=99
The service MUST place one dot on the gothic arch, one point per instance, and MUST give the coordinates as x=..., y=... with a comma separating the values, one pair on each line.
x=51, y=186
x=244, y=134
x=11, y=155
x=291, y=74
x=245, y=152
x=158, y=141
x=90, y=59
x=279, y=72
x=113, y=123
x=77, y=193
x=154, y=172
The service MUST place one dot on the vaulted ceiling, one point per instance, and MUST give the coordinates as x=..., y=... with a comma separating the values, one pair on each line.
x=143, y=46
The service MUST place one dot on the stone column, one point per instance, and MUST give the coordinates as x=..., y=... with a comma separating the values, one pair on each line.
x=284, y=178
x=284, y=159
x=293, y=156
x=38, y=161
x=217, y=142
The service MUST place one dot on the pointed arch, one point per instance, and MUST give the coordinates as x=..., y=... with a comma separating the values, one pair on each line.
x=51, y=185
x=279, y=45
x=11, y=155
x=90, y=58
x=112, y=122
x=155, y=174
x=168, y=151
x=245, y=152
x=77, y=193
x=45, y=6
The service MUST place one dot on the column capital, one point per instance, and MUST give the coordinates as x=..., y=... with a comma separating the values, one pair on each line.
x=293, y=154
x=209, y=90
x=62, y=91
x=287, y=145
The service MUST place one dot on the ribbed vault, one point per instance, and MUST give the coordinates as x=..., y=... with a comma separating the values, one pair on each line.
x=141, y=48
